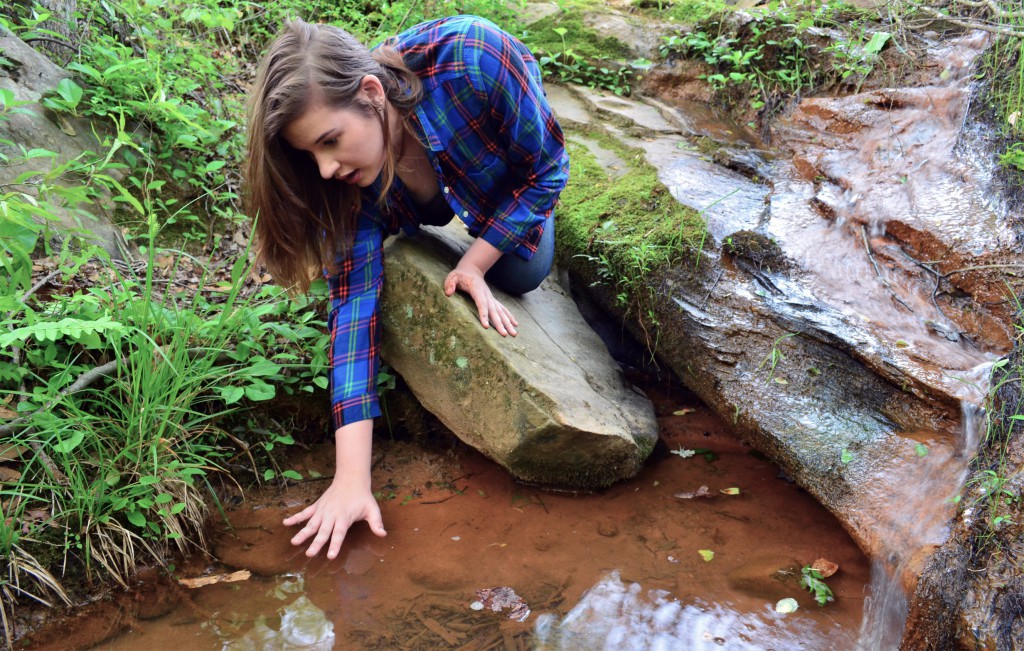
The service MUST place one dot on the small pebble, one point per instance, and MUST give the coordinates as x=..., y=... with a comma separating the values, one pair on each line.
x=456, y=537
x=477, y=605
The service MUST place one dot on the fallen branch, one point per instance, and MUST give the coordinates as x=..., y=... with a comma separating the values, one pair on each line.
x=83, y=381
x=1008, y=265
x=996, y=10
x=1002, y=30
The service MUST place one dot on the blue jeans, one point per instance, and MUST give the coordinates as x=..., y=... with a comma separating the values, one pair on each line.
x=511, y=274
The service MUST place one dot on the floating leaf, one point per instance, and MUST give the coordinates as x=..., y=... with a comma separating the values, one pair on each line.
x=825, y=567
x=730, y=491
x=462, y=362
x=706, y=554
x=846, y=457
x=240, y=575
x=787, y=605
x=700, y=492
x=683, y=411
x=921, y=449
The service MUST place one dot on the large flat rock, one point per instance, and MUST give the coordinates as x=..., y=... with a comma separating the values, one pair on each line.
x=550, y=405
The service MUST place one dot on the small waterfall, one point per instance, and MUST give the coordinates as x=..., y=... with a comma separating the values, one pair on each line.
x=886, y=606
x=885, y=611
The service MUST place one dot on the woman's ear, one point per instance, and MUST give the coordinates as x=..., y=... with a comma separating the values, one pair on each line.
x=373, y=90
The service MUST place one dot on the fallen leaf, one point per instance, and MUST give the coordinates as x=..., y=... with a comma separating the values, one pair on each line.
x=9, y=475
x=240, y=575
x=787, y=605
x=706, y=554
x=499, y=598
x=683, y=411
x=31, y=517
x=825, y=567
x=730, y=491
x=700, y=492
x=7, y=413
x=11, y=452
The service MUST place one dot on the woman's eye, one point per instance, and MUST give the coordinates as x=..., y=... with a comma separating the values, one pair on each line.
x=330, y=142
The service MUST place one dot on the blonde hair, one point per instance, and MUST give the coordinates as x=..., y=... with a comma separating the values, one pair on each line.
x=303, y=222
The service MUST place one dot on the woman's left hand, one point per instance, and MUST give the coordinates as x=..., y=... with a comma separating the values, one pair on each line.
x=467, y=278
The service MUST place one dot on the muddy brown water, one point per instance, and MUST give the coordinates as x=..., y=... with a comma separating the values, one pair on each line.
x=621, y=568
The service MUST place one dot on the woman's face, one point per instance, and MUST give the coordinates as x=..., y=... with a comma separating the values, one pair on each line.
x=347, y=144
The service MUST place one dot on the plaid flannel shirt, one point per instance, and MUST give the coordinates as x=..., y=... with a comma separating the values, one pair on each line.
x=500, y=160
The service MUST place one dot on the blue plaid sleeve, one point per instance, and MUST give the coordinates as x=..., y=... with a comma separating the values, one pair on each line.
x=504, y=72
x=355, y=328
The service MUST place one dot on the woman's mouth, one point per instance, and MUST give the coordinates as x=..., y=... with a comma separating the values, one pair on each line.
x=351, y=177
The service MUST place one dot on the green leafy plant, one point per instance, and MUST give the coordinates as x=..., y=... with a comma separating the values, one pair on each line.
x=812, y=580
x=774, y=356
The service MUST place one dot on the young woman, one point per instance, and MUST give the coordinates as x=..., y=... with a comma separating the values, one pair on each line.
x=347, y=146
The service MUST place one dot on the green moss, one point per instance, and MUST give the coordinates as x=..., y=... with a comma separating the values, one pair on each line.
x=630, y=226
x=686, y=11
x=587, y=43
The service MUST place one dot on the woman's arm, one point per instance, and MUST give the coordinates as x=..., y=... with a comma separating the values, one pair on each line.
x=355, y=344
x=347, y=500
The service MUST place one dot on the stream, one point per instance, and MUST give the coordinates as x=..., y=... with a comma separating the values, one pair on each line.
x=617, y=569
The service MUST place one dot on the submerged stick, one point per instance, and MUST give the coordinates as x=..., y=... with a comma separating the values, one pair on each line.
x=878, y=272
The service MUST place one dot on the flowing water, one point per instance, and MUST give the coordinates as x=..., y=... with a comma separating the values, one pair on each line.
x=885, y=606
x=618, y=569
x=884, y=202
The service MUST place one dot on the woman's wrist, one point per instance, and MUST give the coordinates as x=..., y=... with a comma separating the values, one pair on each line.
x=353, y=451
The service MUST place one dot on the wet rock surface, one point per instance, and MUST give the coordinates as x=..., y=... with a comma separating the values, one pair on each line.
x=851, y=296
x=550, y=405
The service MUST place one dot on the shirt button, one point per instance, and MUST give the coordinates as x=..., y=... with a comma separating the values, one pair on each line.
x=446, y=190
x=465, y=213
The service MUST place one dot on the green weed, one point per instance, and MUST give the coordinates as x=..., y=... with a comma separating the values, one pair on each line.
x=774, y=356
x=814, y=582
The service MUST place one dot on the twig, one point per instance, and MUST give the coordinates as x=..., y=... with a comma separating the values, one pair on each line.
x=938, y=280
x=61, y=478
x=412, y=5
x=712, y=290
x=46, y=39
x=998, y=11
x=878, y=272
x=995, y=29
x=39, y=285
x=83, y=381
x=1009, y=265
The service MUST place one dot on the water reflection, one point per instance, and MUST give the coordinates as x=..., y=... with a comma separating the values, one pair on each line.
x=299, y=624
x=620, y=616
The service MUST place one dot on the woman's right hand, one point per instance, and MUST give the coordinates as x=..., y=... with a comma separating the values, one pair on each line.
x=347, y=500
x=330, y=517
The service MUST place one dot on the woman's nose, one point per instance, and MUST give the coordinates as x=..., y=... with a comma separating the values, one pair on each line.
x=328, y=167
